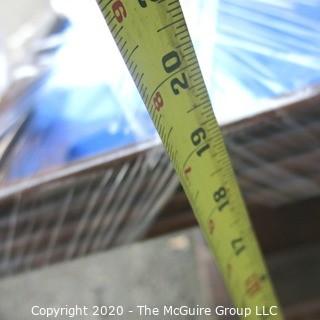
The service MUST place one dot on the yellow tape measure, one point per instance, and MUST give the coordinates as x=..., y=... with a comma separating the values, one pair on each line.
x=154, y=41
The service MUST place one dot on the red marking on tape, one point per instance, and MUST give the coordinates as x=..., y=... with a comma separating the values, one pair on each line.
x=158, y=101
x=253, y=285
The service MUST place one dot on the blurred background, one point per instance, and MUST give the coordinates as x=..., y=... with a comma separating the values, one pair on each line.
x=82, y=169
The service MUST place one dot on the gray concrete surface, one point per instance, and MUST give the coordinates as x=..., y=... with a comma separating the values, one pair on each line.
x=155, y=273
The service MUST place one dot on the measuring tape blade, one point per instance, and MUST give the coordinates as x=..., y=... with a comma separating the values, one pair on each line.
x=155, y=44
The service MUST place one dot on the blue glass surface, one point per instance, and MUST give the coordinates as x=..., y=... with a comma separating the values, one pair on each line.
x=249, y=51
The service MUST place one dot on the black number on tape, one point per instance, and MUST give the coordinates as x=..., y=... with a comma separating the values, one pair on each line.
x=220, y=197
x=171, y=62
x=197, y=137
x=143, y=3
